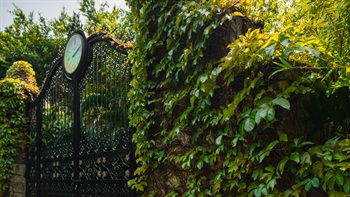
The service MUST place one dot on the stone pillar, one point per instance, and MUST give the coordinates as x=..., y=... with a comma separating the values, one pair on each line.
x=17, y=184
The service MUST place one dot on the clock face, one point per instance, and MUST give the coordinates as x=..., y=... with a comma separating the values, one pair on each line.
x=73, y=53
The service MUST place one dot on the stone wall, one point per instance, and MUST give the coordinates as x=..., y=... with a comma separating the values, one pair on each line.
x=17, y=185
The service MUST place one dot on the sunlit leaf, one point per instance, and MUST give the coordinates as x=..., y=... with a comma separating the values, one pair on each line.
x=270, y=114
x=218, y=140
x=249, y=124
x=270, y=49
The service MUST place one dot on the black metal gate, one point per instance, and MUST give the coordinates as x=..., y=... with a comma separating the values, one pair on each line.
x=80, y=136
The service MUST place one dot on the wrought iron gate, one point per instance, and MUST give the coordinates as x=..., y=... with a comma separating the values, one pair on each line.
x=80, y=137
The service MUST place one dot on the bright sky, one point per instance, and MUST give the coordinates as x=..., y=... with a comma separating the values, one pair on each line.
x=49, y=9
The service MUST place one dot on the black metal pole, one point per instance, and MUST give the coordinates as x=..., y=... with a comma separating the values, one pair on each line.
x=38, y=148
x=76, y=136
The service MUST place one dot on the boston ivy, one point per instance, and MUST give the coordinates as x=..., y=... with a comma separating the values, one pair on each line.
x=223, y=107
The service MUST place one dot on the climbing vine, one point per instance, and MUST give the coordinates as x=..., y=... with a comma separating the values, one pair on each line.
x=225, y=107
x=15, y=90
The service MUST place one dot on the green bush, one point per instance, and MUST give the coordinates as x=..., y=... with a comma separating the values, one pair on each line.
x=15, y=90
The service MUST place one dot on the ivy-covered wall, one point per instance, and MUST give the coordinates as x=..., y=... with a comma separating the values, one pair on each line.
x=16, y=90
x=222, y=108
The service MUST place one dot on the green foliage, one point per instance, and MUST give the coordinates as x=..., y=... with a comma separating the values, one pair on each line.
x=114, y=22
x=30, y=40
x=15, y=90
x=224, y=110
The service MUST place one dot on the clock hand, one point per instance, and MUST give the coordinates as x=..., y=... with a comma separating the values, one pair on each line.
x=76, y=52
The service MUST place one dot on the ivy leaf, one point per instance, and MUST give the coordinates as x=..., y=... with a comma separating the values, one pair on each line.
x=308, y=186
x=207, y=30
x=339, y=178
x=284, y=138
x=262, y=112
x=305, y=158
x=281, y=102
x=266, y=152
x=200, y=165
x=271, y=114
x=257, y=119
x=203, y=78
x=255, y=174
x=282, y=164
x=249, y=124
x=315, y=182
x=271, y=184
x=205, y=159
x=218, y=140
x=295, y=157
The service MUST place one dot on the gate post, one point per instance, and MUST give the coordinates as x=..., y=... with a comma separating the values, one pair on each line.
x=76, y=136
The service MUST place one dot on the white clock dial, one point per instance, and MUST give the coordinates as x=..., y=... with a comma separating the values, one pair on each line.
x=73, y=53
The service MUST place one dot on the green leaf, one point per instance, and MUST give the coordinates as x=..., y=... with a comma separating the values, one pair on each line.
x=295, y=157
x=308, y=186
x=339, y=178
x=299, y=49
x=315, y=182
x=205, y=159
x=271, y=114
x=272, y=144
x=281, y=102
x=270, y=49
x=305, y=158
x=203, y=78
x=284, y=40
x=346, y=186
x=256, y=174
x=271, y=184
x=282, y=164
x=265, y=152
x=207, y=30
x=249, y=124
x=286, y=53
x=328, y=180
x=200, y=165
x=284, y=138
x=285, y=63
x=262, y=112
x=313, y=52
x=218, y=140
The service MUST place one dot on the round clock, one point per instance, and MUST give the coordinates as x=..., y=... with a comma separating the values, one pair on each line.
x=74, y=53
